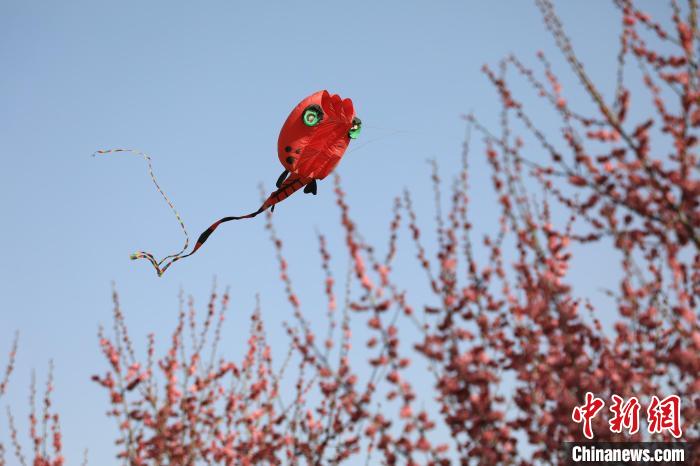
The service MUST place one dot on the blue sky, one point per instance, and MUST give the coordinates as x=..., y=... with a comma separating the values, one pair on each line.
x=204, y=89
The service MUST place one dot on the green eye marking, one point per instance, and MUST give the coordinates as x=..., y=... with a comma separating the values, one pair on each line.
x=312, y=115
x=355, y=129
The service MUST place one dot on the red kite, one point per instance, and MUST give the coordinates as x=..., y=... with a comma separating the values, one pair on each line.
x=310, y=145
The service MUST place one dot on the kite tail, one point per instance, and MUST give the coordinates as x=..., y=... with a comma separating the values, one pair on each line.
x=200, y=241
x=292, y=184
x=143, y=254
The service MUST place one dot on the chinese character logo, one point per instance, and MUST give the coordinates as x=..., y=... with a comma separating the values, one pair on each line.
x=665, y=415
x=662, y=415
x=587, y=412
x=624, y=415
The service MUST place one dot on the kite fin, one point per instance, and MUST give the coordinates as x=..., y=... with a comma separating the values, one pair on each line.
x=281, y=179
x=312, y=187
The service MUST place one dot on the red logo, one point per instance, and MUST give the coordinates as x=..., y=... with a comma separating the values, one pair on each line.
x=587, y=412
x=662, y=415
x=624, y=415
x=665, y=415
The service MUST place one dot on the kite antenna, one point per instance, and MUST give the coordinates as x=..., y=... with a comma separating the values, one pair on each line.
x=379, y=138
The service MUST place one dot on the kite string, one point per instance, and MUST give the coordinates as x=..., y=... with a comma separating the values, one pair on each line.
x=144, y=254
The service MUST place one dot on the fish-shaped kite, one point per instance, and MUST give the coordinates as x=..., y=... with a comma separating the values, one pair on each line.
x=310, y=145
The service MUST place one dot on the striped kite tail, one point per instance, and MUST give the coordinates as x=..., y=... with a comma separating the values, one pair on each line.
x=143, y=254
x=290, y=186
x=286, y=189
x=200, y=241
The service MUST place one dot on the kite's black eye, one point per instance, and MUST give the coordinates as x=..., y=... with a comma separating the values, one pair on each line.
x=355, y=129
x=312, y=115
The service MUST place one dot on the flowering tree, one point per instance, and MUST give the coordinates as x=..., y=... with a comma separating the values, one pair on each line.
x=3, y=387
x=511, y=348
x=44, y=428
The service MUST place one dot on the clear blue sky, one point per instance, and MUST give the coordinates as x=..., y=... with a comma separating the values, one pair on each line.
x=204, y=87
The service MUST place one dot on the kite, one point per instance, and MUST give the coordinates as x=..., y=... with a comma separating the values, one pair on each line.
x=311, y=143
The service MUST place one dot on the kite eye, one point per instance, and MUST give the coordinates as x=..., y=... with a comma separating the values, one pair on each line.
x=312, y=115
x=355, y=129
